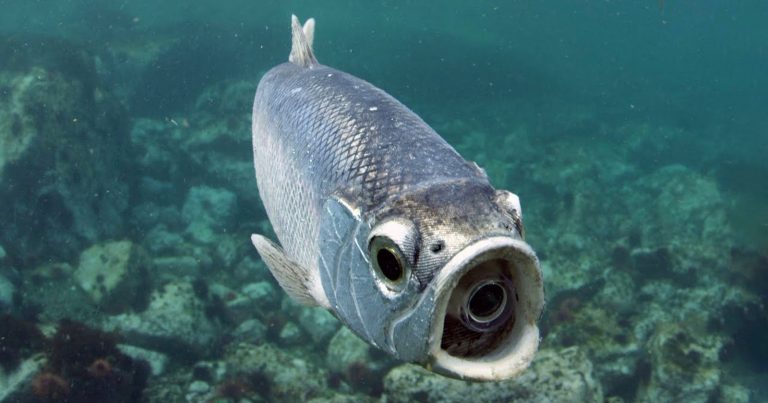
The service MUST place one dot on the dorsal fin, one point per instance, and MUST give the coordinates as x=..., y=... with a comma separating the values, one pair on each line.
x=301, y=46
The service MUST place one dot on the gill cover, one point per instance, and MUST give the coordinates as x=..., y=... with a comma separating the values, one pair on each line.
x=367, y=304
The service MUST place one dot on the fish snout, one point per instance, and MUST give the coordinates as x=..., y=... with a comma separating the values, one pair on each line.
x=488, y=299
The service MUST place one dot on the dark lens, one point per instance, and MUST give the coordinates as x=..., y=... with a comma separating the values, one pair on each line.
x=389, y=265
x=486, y=302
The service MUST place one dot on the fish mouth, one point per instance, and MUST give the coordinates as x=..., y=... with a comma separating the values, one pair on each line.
x=488, y=299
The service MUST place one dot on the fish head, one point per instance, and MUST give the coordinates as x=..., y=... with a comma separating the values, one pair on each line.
x=462, y=290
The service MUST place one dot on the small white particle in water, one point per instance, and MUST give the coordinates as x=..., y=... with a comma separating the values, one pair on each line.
x=295, y=90
x=330, y=74
x=373, y=108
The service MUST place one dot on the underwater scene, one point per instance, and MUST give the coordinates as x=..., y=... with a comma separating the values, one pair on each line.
x=635, y=134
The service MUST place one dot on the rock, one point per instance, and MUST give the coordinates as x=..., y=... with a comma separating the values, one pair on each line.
x=290, y=334
x=209, y=212
x=13, y=384
x=250, y=331
x=174, y=323
x=198, y=387
x=684, y=365
x=555, y=376
x=227, y=249
x=252, y=269
x=157, y=361
x=682, y=212
x=262, y=293
x=255, y=299
x=170, y=267
x=152, y=189
x=147, y=216
x=214, y=136
x=345, y=350
x=735, y=394
x=114, y=274
x=319, y=324
x=156, y=143
x=344, y=398
x=59, y=193
x=52, y=289
x=288, y=378
x=159, y=240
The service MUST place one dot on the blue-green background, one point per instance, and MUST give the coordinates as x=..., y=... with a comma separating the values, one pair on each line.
x=687, y=81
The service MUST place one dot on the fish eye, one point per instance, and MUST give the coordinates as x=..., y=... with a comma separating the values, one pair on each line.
x=388, y=263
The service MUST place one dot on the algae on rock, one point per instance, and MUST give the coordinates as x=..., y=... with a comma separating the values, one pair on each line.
x=62, y=155
x=115, y=275
x=554, y=376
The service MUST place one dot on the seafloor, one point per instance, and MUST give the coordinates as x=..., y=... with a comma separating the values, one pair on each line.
x=126, y=272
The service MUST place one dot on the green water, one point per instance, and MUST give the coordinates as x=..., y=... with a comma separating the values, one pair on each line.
x=634, y=132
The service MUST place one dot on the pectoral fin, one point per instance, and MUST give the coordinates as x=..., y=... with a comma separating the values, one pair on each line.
x=296, y=280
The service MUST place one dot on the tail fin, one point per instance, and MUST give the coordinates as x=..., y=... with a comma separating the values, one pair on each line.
x=301, y=47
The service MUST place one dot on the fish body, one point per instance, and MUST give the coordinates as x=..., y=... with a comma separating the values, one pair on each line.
x=383, y=223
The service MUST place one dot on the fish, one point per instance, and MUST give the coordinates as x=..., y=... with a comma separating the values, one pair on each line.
x=379, y=220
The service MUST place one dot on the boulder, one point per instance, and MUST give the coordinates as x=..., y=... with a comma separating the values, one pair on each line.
x=685, y=365
x=114, y=274
x=175, y=323
x=283, y=377
x=554, y=376
x=62, y=154
x=208, y=212
x=346, y=350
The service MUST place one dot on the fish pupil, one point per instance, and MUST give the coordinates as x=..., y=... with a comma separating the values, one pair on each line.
x=389, y=265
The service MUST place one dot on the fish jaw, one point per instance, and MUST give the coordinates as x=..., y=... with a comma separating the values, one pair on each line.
x=513, y=345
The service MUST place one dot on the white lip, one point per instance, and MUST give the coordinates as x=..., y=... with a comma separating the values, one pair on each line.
x=517, y=351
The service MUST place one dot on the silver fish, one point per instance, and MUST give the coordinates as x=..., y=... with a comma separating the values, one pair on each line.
x=383, y=223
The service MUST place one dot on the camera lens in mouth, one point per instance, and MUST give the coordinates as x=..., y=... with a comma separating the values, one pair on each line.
x=486, y=302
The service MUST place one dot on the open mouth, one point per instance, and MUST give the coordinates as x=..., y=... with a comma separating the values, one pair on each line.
x=489, y=297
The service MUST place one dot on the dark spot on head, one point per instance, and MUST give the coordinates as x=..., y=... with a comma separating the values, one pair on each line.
x=437, y=246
